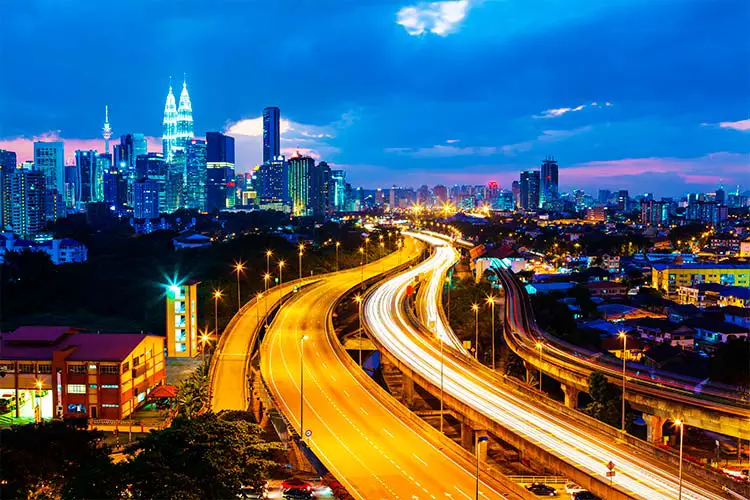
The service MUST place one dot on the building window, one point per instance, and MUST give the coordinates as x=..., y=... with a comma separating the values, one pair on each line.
x=136, y=361
x=7, y=367
x=44, y=368
x=77, y=369
x=110, y=386
x=92, y=386
x=76, y=388
x=108, y=369
x=26, y=367
x=92, y=368
x=125, y=367
x=108, y=405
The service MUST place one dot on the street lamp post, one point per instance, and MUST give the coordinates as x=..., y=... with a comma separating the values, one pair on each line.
x=302, y=387
x=338, y=244
x=217, y=295
x=367, y=250
x=239, y=267
x=281, y=277
x=382, y=262
x=204, y=339
x=681, y=425
x=539, y=346
x=491, y=302
x=478, y=440
x=266, y=278
x=362, y=265
x=301, y=251
x=358, y=300
x=475, y=308
x=268, y=261
x=624, y=338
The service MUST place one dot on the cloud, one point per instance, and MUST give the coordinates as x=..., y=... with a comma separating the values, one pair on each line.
x=557, y=112
x=547, y=136
x=441, y=150
x=439, y=18
x=741, y=125
x=24, y=146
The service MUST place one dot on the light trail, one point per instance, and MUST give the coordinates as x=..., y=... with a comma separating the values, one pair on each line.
x=467, y=381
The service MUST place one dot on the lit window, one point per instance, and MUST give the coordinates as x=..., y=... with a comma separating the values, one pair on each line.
x=109, y=369
x=77, y=369
x=44, y=368
x=92, y=368
x=92, y=386
x=26, y=367
x=125, y=367
x=108, y=405
x=110, y=386
x=76, y=388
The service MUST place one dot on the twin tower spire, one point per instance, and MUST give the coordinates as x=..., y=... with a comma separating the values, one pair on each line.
x=178, y=123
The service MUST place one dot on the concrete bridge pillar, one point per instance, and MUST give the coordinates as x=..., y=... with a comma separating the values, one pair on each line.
x=530, y=372
x=407, y=390
x=467, y=436
x=571, y=395
x=654, y=428
x=482, y=449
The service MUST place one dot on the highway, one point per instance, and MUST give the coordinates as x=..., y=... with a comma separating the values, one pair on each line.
x=377, y=448
x=479, y=388
x=524, y=335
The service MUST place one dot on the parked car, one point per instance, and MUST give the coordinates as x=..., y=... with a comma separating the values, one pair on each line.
x=585, y=495
x=542, y=490
x=571, y=488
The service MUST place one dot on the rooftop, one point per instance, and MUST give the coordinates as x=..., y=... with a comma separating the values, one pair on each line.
x=707, y=265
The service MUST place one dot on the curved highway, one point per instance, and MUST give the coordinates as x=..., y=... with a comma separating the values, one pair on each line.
x=373, y=445
x=479, y=388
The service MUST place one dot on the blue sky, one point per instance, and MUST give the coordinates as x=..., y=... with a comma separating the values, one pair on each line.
x=649, y=95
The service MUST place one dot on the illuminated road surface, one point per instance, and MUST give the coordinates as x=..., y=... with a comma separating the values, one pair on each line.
x=474, y=385
x=370, y=446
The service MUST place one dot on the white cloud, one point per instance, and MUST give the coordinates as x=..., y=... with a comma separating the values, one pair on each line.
x=441, y=150
x=741, y=125
x=545, y=137
x=439, y=18
x=557, y=112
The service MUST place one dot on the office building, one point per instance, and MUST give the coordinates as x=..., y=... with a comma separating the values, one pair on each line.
x=49, y=159
x=169, y=126
x=670, y=277
x=182, y=320
x=623, y=200
x=72, y=185
x=146, y=199
x=271, y=182
x=529, y=190
x=655, y=213
x=604, y=196
x=153, y=167
x=271, y=133
x=86, y=165
x=94, y=375
x=549, y=192
x=184, y=126
x=220, y=187
x=338, y=181
x=195, y=175
x=8, y=164
x=26, y=201
x=320, y=191
x=441, y=193
x=114, y=188
x=299, y=170
x=504, y=201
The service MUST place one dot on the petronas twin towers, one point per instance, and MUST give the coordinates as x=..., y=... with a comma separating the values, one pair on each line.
x=178, y=123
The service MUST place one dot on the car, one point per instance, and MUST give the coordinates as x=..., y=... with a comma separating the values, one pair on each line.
x=296, y=483
x=542, y=490
x=297, y=494
x=571, y=488
x=585, y=495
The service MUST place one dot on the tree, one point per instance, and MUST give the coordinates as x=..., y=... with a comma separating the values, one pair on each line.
x=606, y=402
x=730, y=364
x=209, y=456
x=55, y=460
x=192, y=393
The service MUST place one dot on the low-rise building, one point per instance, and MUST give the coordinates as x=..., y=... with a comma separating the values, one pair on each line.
x=62, y=251
x=670, y=277
x=67, y=373
x=705, y=295
x=606, y=289
x=716, y=332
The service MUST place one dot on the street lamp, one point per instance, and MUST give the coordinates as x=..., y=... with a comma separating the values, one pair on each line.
x=358, y=300
x=266, y=279
x=205, y=337
x=491, y=303
x=478, y=441
x=281, y=277
x=217, y=295
x=680, y=424
x=37, y=406
x=268, y=261
x=539, y=346
x=624, y=338
x=301, y=251
x=367, y=250
x=382, y=262
x=302, y=386
x=475, y=308
x=362, y=265
x=338, y=244
x=239, y=267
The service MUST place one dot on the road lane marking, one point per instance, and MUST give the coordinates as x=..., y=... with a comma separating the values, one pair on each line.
x=418, y=458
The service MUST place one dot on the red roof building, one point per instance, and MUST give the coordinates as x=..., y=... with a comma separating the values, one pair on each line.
x=68, y=373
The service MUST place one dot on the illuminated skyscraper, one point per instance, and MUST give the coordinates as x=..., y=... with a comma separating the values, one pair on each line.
x=184, y=127
x=220, y=187
x=86, y=164
x=338, y=178
x=299, y=171
x=550, y=188
x=530, y=189
x=26, y=190
x=271, y=133
x=169, y=134
x=195, y=175
x=106, y=130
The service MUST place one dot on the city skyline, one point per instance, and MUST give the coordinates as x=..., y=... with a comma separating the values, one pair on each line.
x=668, y=120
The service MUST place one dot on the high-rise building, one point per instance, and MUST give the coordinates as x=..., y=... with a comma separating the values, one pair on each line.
x=271, y=182
x=623, y=200
x=146, y=199
x=72, y=187
x=220, y=186
x=515, y=188
x=338, y=179
x=271, y=133
x=184, y=127
x=103, y=165
x=8, y=164
x=654, y=212
x=320, y=190
x=195, y=174
x=153, y=167
x=604, y=196
x=86, y=164
x=106, y=130
x=169, y=132
x=182, y=320
x=49, y=159
x=27, y=199
x=549, y=191
x=114, y=188
x=493, y=189
x=441, y=193
x=530, y=189
x=299, y=170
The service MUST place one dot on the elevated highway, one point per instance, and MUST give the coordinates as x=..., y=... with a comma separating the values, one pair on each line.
x=567, y=443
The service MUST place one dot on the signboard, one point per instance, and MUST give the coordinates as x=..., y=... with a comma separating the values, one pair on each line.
x=610, y=465
x=308, y=433
x=610, y=473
